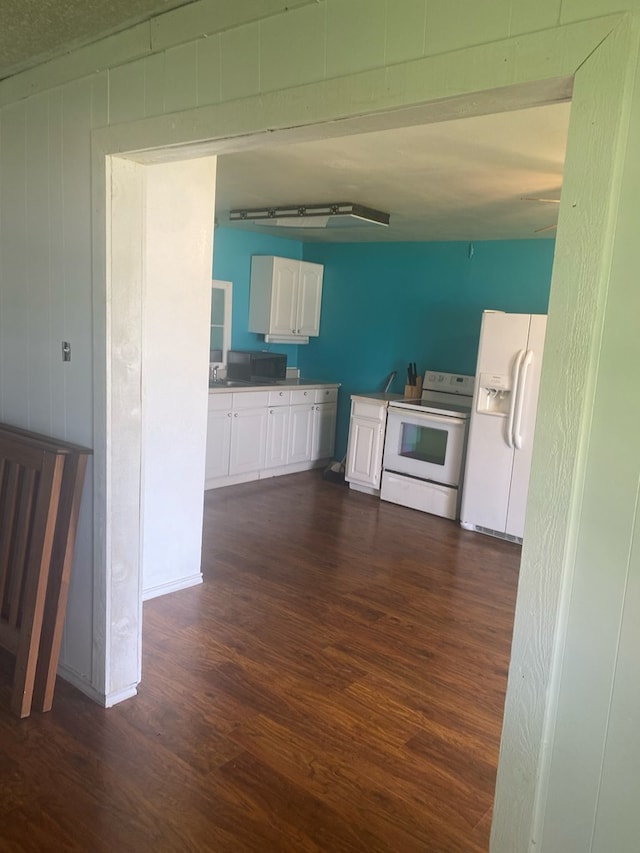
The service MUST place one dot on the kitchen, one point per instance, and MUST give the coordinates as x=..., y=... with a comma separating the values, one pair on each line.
x=589, y=345
x=467, y=232
x=414, y=290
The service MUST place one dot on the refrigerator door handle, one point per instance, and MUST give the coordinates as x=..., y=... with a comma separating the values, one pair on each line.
x=517, y=430
x=514, y=395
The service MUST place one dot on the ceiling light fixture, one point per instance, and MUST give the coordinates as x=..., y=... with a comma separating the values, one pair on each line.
x=334, y=215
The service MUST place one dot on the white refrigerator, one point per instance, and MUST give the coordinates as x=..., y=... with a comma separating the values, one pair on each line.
x=503, y=419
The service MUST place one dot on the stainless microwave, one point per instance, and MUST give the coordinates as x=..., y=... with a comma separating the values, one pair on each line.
x=256, y=365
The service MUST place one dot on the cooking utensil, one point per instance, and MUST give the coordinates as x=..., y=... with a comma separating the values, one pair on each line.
x=388, y=381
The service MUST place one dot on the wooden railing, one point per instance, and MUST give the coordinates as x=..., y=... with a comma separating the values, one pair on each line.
x=41, y=483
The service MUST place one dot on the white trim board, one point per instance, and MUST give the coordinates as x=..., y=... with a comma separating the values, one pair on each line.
x=173, y=586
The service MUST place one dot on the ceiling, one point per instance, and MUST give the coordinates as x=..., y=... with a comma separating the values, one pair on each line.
x=36, y=30
x=462, y=179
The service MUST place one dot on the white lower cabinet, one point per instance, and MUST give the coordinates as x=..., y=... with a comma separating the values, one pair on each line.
x=278, y=419
x=248, y=441
x=300, y=433
x=313, y=424
x=366, y=443
x=324, y=430
x=218, y=436
x=254, y=434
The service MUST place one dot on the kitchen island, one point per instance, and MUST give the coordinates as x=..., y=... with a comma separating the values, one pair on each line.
x=256, y=431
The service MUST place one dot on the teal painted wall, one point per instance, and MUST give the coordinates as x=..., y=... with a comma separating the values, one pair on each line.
x=389, y=303
x=232, y=251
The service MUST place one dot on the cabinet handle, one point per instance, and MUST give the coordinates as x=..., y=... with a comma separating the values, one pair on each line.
x=229, y=414
x=270, y=411
x=281, y=394
x=235, y=414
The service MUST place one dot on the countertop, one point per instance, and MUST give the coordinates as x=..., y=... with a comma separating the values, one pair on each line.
x=382, y=396
x=276, y=386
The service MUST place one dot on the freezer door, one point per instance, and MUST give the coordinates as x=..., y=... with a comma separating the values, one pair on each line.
x=525, y=423
x=501, y=337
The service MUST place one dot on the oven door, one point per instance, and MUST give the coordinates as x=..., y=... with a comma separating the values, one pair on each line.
x=425, y=445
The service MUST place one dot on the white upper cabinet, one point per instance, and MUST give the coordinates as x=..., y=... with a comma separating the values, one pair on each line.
x=285, y=299
x=309, y=298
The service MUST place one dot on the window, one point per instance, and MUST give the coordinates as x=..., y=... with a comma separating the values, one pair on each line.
x=220, y=339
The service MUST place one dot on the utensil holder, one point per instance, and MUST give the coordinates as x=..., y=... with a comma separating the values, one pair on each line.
x=414, y=391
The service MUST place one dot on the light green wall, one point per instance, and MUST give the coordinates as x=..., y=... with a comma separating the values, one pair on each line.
x=221, y=69
x=596, y=698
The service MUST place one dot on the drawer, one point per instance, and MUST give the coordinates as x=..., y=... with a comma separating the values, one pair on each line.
x=251, y=400
x=279, y=398
x=362, y=408
x=302, y=395
x=326, y=395
x=219, y=402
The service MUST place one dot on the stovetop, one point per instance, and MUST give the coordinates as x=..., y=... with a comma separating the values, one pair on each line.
x=443, y=393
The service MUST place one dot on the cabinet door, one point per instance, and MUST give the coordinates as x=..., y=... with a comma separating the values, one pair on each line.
x=284, y=297
x=324, y=430
x=309, y=298
x=277, y=450
x=248, y=441
x=218, y=444
x=364, y=455
x=300, y=432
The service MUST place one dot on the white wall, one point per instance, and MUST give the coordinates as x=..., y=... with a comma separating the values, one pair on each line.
x=176, y=309
x=46, y=296
x=220, y=70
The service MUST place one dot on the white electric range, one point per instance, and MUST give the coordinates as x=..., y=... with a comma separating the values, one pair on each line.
x=425, y=445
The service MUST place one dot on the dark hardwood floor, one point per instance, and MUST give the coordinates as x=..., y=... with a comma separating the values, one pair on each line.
x=336, y=685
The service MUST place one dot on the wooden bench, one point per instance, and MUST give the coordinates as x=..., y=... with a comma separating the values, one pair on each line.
x=41, y=483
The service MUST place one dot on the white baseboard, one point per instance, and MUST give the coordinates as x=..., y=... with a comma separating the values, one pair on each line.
x=265, y=473
x=367, y=490
x=120, y=695
x=104, y=700
x=236, y=479
x=172, y=586
x=296, y=468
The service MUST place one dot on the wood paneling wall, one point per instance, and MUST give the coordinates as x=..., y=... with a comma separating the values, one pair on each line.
x=226, y=70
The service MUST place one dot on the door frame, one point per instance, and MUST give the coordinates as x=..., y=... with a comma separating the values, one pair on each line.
x=600, y=52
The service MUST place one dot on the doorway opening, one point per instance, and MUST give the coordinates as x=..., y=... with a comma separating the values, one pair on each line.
x=127, y=181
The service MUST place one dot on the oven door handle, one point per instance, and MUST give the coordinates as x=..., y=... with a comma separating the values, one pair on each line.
x=517, y=430
x=514, y=396
x=434, y=420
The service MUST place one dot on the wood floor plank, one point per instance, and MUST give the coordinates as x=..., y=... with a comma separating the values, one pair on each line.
x=386, y=817
x=336, y=685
